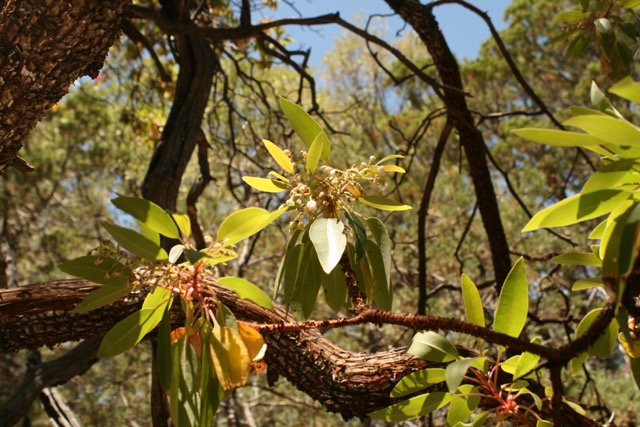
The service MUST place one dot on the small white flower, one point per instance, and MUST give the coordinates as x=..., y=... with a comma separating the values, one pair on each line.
x=312, y=206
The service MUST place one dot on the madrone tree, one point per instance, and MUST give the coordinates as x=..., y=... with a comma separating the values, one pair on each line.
x=171, y=280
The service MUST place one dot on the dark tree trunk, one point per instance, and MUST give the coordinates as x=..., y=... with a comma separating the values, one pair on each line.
x=44, y=47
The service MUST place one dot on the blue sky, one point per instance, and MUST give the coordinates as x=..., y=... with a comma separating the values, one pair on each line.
x=464, y=31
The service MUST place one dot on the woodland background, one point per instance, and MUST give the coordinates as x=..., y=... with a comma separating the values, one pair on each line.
x=176, y=115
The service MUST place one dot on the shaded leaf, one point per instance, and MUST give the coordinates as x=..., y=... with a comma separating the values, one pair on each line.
x=163, y=352
x=433, y=347
x=105, y=295
x=136, y=243
x=462, y=405
x=558, y=138
x=455, y=372
x=413, y=408
x=304, y=125
x=382, y=290
x=315, y=152
x=105, y=271
x=359, y=233
x=334, y=287
x=417, y=381
x=175, y=253
x=382, y=203
x=578, y=258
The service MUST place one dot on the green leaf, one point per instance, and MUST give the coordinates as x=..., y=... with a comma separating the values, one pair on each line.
x=136, y=243
x=195, y=256
x=635, y=370
x=627, y=88
x=315, y=151
x=578, y=258
x=527, y=362
x=185, y=402
x=359, y=233
x=433, y=347
x=307, y=283
x=558, y=138
x=604, y=345
x=279, y=156
x=382, y=203
x=281, y=268
x=462, y=405
x=294, y=256
x=334, y=287
x=382, y=290
x=417, y=381
x=129, y=331
x=598, y=232
x=211, y=392
x=572, y=17
x=413, y=408
x=163, y=352
x=184, y=224
x=577, y=208
x=513, y=303
x=328, y=237
x=246, y=290
x=105, y=271
x=610, y=129
x=607, y=177
x=622, y=244
x=455, y=372
x=304, y=125
x=389, y=157
x=105, y=295
x=149, y=214
x=265, y=184
x=544, y=423
x=244, y=223
x=380, y=233
x=472, y=302
x=150, y=234
x=630, y=4
x=582, y=284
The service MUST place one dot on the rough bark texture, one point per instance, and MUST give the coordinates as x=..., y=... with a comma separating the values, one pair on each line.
x=45, y=45
x=421, y=18
x=349, y=383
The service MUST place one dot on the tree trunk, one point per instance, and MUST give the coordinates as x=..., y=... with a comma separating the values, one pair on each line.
x=44, y=47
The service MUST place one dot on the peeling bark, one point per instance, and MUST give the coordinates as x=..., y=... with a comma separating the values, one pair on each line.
x=45, y=45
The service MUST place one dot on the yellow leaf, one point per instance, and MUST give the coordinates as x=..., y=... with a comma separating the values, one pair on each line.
x=230, y=358
x=253, y=340
x=265, y=184
x=631, y=348
x=279, y=156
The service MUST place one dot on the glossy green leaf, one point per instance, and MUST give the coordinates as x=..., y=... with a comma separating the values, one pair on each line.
x=265, y=184
x=279, y=156
x=577, y=208
x=304, y=125
x=129, y=331
x=635, y=370
x=195, y=256
x=307, y=283
x=627, y=88
x=211, y=392
x=609, y=129
x=246, y=290
x=578, y=258
x=136, y=243
x=244, y=223
x=327, y=236
x=622, y=244
x=163, y=352
x=558, y=138
x=513, y=303
x=592, y=282
x=334, y=288
x=105, y=271
x=462, y=405
x=433, y=347
x=293, y=259
x=381, y=235
x=359, y=233
x=315, y=152
x=105, y=295
x=527, y=362
x=417, y=381
x=363, y=273
x=472, y=302
x=382, y=203
x=149, y=214
x=281, y=268
x=607, y=177
x=413, y=408
x=175, y=253
x=184, y=224
x=630, y=4
x=455, y=372
x=609, y=233
x=185, y=400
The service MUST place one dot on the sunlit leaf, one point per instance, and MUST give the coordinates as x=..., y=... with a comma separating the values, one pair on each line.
x=558, y=138
x=472, y=302
x=592, y=282
x=390, y=157
x=246, y=290
x=184, y=224
x=631, y=347
x=315, y=152
x=578, y=258
x=382, y=203
x=304, y=125
x=244, y=223
x=417, y=381
x=253, y=340
x=329, y=241
x=136, y=243
x=527, y=362
x=149, y=214
x=462, y=405
x=608, y=176
x=413, y=408
x=279, y=156
x=265, y=184
x=627, y=88
x=102, y=270
x=230, y=358
x=609, y=129
x=433, y=347
x=175, y=253
x=513, y=303
x=577, y=208
x=606, y=343
x=150, y=234
x=455, y=372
